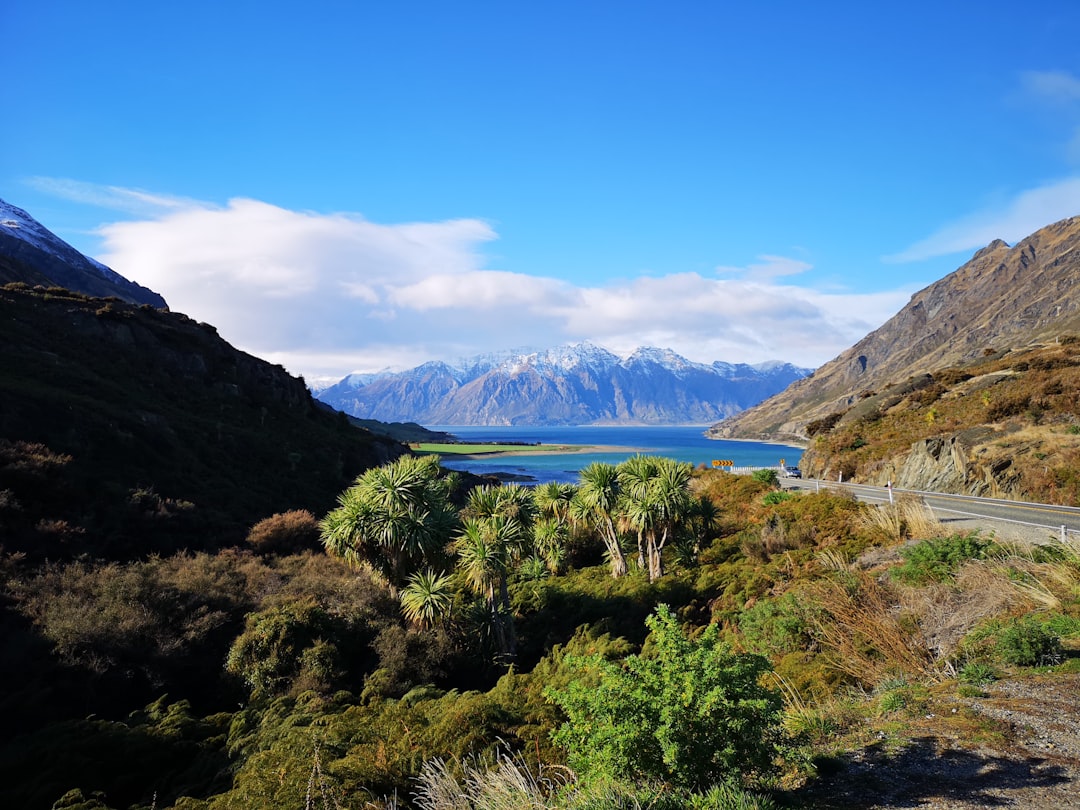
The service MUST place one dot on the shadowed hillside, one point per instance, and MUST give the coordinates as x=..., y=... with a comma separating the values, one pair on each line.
x=145, y=415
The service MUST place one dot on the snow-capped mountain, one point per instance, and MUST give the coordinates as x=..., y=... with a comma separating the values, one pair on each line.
x=30, y=252
x=576, y=384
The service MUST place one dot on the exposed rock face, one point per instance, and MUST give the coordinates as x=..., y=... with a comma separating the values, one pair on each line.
x=936, y=464
x=1003, y=297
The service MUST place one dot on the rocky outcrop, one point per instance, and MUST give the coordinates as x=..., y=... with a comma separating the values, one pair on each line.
x=939, y=464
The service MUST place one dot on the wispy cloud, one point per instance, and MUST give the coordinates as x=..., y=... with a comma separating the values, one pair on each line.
x=113, y=198
x=1055, y=86
x=326, y=294
x=1019, y=217
x=767, y=267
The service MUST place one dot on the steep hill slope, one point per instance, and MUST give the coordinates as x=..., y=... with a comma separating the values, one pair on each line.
x=570, y=385
x=1003, y=298
x=140, y=425
x=1005, y=426
x=31, y=253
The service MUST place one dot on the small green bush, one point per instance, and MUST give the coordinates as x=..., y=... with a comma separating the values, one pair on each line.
x=692, y=713
x=1026, y=642
x=977, y=673
x=936, y=560
x=775, y=626
x=773, y=498
x=767, y=476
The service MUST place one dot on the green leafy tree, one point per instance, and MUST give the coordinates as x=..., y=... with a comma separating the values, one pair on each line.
x=394, y=520
x=690, y=714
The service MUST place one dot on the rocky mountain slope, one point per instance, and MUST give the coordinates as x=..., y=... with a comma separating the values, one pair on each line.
x=1002, y=298
x=570, y=385
x=30, y=253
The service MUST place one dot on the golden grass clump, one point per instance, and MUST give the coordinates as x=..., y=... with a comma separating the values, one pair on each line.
x=860, y=624
x=508, y=783
x=907, y=517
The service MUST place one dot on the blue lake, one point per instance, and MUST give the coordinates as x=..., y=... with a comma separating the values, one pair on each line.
x=683, y=443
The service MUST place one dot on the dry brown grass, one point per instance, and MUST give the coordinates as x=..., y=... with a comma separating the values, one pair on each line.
x=859, y=621
x=906, y=518
x=947, y=612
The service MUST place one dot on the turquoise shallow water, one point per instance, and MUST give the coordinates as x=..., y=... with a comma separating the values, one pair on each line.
x=684, y=443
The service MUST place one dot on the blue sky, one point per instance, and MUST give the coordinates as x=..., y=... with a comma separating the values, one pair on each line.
x=343, y=186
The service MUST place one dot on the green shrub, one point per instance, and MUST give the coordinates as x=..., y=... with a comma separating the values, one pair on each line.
x=775, y=626
x=936, y=560
x=773, y=498
x=692, y=713
x=977, y=673
x=282, y=646
x=767, y=476
x=1026, y=642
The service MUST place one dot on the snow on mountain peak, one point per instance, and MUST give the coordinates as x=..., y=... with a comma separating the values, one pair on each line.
x=23, y=226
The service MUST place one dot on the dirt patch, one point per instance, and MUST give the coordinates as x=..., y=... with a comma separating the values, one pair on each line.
x=1031, y=759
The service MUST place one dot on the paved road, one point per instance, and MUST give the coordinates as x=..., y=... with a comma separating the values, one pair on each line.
x=1020, y=513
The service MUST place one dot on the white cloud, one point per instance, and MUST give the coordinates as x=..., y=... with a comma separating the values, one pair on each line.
x=1021, y=216
x=327, y=294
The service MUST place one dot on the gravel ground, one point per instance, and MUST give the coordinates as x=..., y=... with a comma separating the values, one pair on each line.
x=1035, y=763
x=1003, y=530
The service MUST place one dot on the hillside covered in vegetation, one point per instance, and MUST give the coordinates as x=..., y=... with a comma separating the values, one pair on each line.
x=1003, y=299
x=134, y=430
x=1005, y=425
x=523, y=649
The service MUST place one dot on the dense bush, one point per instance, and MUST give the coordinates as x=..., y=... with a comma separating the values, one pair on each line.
x=766, y=476
x=936, y=560
x=285, y=533
x=689, y=712
x=1026, y=642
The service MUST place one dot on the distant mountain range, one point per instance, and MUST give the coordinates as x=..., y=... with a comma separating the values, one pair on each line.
x=579, y=384
x=30, y=253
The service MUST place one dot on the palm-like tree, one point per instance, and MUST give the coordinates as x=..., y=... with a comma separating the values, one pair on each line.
x=426, y=599
x=595, y=505
x=701, y=522
x=655, y=502
x=496, y=532
x=551, y=532
x=394, y=519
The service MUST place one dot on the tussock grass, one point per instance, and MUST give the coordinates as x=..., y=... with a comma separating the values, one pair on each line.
x=507, y=783
x=907, y=517
x=863, y=631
